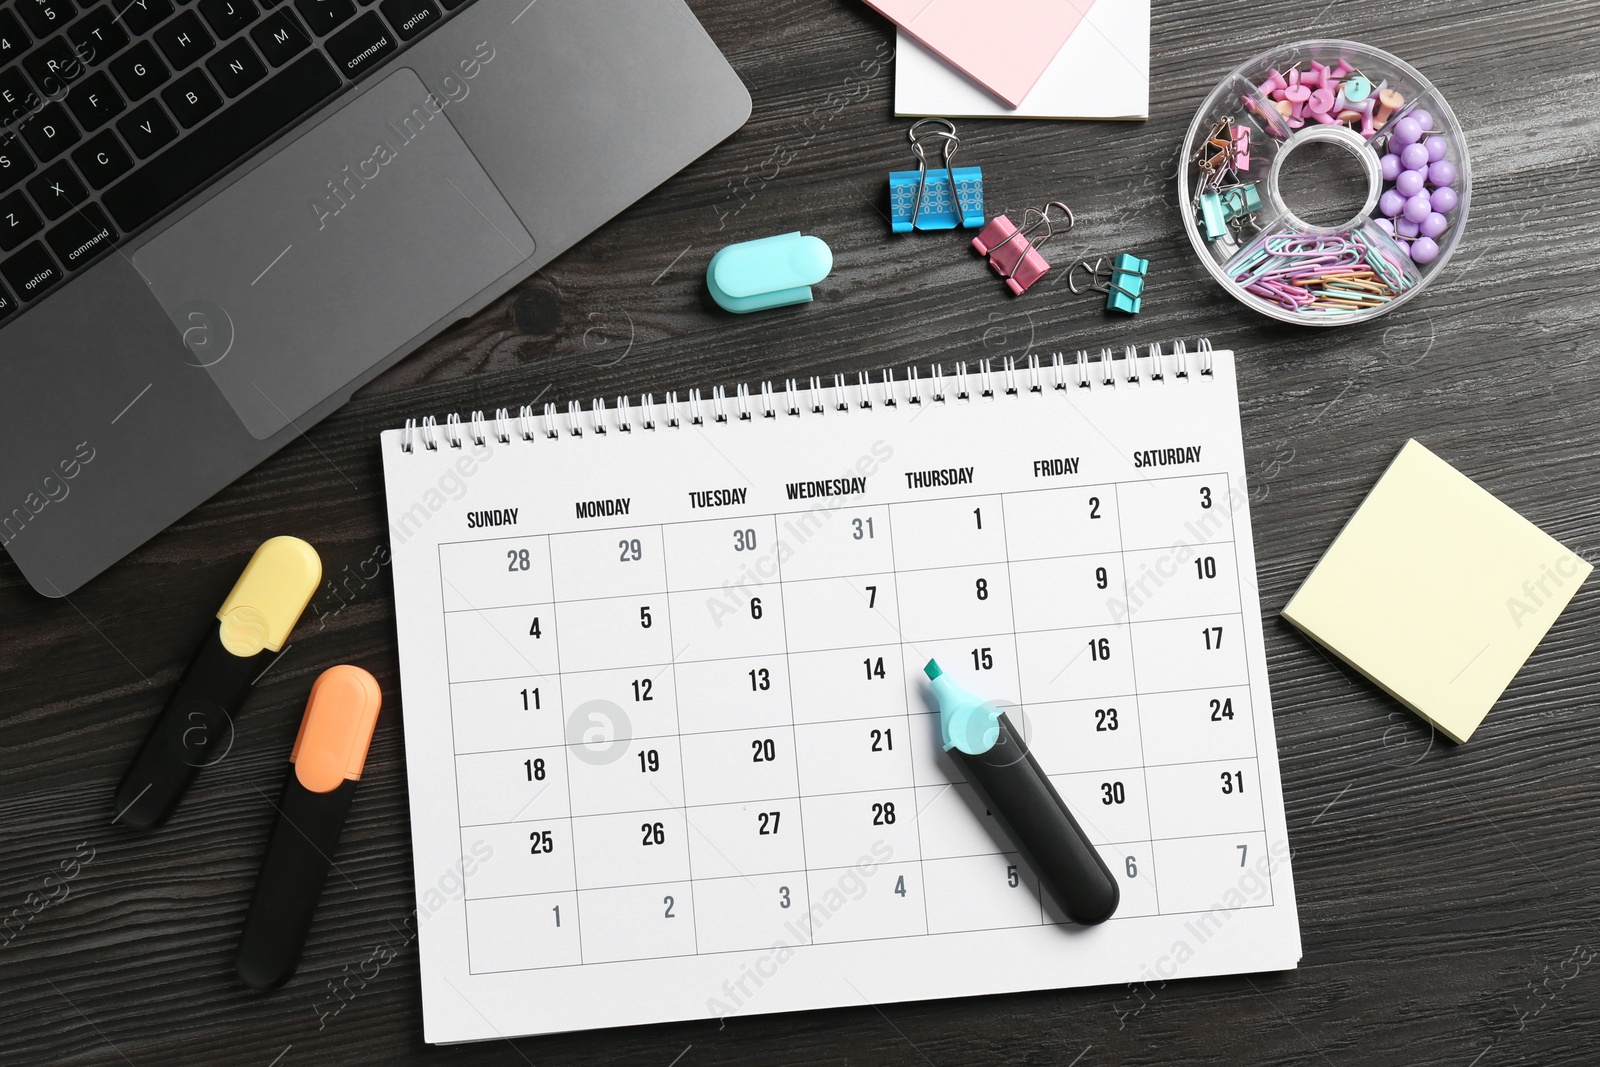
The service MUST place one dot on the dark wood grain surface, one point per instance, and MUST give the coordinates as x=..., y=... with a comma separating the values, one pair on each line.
x=1447, y=894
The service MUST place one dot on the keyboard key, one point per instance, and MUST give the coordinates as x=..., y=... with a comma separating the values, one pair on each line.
x=139, y=70
x=50, y=132
x=95, y=101
x=81, y=236
x=324, y=15
x=451, y=5
x=18, y=221
x=14, y=40
x=244, y=126
x=97, y=36
x=141, y=16
x=361, y=46
x=236, y=67
x=45, y=17
x=147, y=130
x=17, y=97
x=8, y=303
x=102, y=159
x=191, y=98
x=183, y=40
x=228, y=17
x=57, y=190
x=409, y=17
x=31, y=271
x=280, y=37
x=15, y=163
x=53, y=66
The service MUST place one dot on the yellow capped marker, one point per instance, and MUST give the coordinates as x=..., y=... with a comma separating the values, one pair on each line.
x=327, y=759
x=250, y=630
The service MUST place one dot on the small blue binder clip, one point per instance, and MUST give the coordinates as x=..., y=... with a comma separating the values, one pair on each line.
x=938, y=199
x=771, y=272
x=1122, y=281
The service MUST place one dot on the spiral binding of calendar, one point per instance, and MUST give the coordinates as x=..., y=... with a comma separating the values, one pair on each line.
x=1034, y=376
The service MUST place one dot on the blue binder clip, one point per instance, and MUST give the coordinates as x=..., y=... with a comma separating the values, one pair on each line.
x=1122, y=281
x=771, y=272
x=938, y=199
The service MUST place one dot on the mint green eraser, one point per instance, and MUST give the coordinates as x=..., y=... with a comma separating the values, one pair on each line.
x=770, y=272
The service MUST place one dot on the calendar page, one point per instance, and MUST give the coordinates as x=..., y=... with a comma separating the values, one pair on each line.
x=671, y=751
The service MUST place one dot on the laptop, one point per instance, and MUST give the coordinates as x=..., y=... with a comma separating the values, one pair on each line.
x=219, y=218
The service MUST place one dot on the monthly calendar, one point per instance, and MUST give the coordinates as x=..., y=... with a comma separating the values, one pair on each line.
x=671, y=750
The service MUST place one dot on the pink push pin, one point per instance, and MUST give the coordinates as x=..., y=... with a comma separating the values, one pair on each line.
x=1318, y=78
x=1321, y=106
x=1343, y=70
x=1297, y=95
x=1274, y=83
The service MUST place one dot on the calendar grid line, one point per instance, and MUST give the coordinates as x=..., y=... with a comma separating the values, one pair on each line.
x=772, y=798
x=577, y=905
x=1016, y=650
x=745, y=877
x=852, y=648
x=1133, y=659
x=987, y=930
x=1255, y=736
x=794, y=738
x=1006, y=705
x=455, y=778
x=687, y=851
x=905, y=698
x=667, y=589
x=734, y=516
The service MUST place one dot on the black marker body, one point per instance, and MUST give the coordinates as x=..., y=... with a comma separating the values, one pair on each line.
x=187, y=734
x=1016, y=790
x=293, y=870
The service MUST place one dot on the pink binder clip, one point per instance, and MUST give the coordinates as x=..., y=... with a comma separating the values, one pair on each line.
x=1014, y=253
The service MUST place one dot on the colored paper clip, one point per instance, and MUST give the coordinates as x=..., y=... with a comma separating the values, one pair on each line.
x=1122, y=281
x=937, y=199
x=1012, y=252
x=769, y=272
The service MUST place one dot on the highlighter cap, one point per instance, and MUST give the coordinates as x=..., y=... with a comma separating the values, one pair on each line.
x=966, y=722
x=331, y=747
x=269, y=596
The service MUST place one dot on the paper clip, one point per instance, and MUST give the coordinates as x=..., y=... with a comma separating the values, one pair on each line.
x=1011, y=252
x=937, y=199
x=1122, y=281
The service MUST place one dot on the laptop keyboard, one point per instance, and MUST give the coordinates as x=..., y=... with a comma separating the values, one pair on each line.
x=113, y=112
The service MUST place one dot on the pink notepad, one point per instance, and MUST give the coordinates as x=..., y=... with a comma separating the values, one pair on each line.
x=1003, y=45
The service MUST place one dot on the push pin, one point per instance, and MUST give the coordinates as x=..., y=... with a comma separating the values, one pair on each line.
x=1122, y=281
x=937, y=199
x=1011, y=252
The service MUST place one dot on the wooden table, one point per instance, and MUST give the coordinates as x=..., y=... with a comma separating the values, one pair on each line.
x=1445, y=892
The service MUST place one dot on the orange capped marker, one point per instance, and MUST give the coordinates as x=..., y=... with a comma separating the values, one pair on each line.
x=325, y=765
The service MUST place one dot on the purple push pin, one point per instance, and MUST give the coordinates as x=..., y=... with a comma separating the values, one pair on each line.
x=1437, y=147
x=1442, y=173
x=1444, y=199
x=1418, y=208
x=1424, y=250
x=1434, y=225
x=1410, y=182
x=1386, y=225
x=1390, y=167
x=1424, y=119
x=1404, y=227
x=1414, y=156
x=1407, y=131
x=1392, y=203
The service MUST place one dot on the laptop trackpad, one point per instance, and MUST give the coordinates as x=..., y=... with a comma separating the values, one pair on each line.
x=367, y=231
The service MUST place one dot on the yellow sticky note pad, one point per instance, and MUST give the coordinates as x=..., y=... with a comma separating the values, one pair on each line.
x=1437, y=591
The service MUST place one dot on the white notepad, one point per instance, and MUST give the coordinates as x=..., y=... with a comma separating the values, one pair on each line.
x=670, y=752
x=1102, y=72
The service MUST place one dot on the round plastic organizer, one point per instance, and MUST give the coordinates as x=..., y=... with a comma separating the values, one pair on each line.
x=1339, y=95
